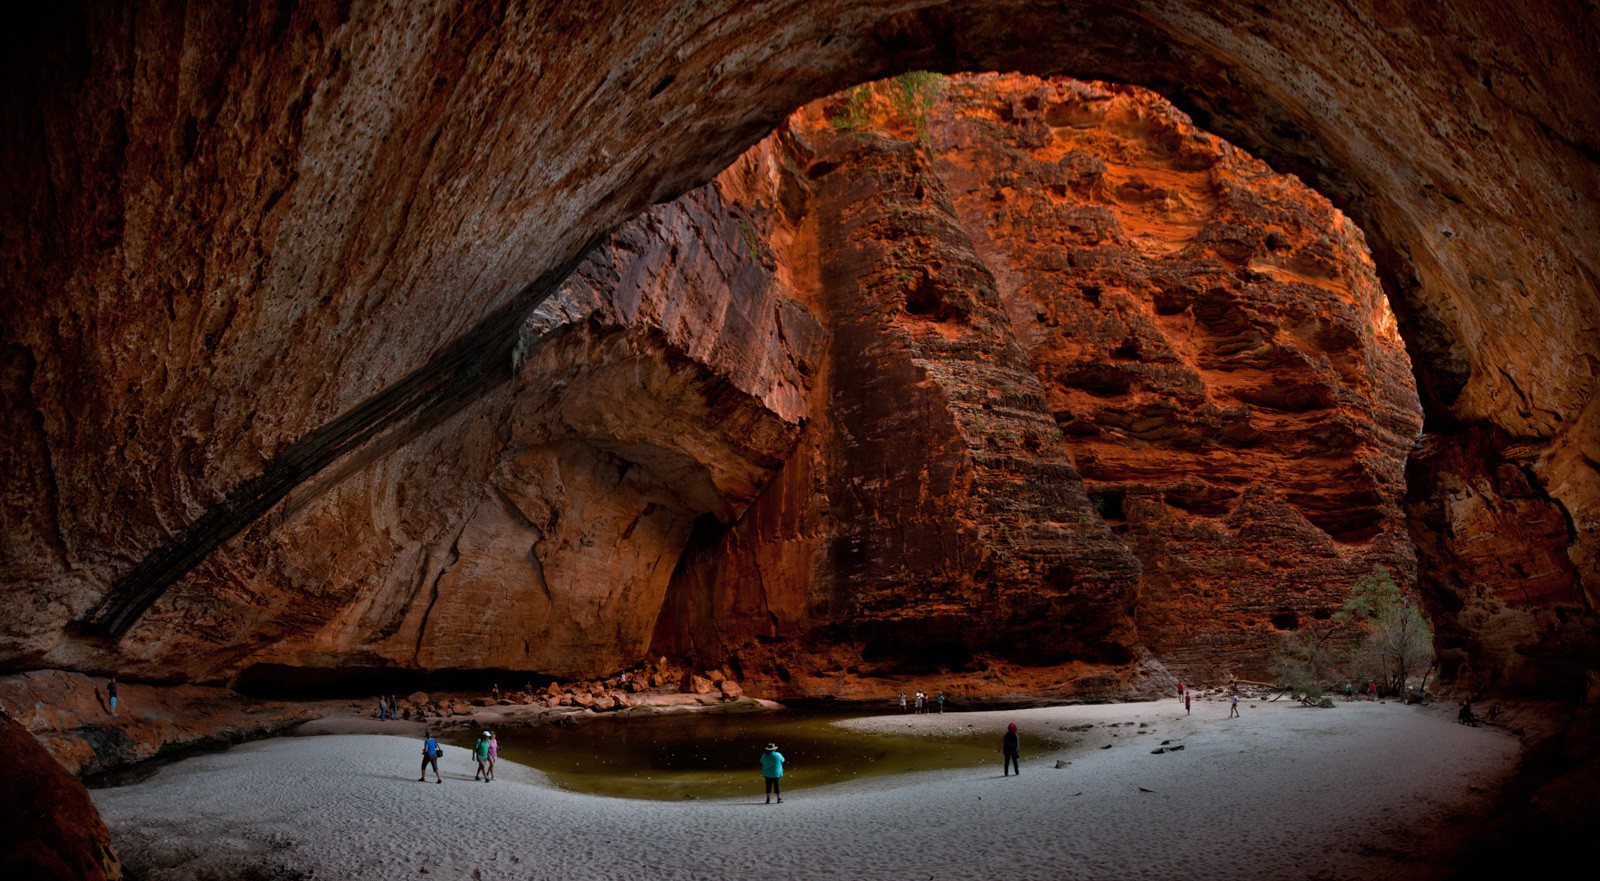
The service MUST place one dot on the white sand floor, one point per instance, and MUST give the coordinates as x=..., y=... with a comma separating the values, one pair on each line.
x=1360, y=791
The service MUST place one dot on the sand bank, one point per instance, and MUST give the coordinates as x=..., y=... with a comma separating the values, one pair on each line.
x=1284, y=792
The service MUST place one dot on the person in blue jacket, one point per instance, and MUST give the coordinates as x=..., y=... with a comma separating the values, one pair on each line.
x=772, y=770
x=430, y=758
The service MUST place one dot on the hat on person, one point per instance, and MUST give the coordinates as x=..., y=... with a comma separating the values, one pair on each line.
x=1011, y=727
x=487, y=734
x=771, y=747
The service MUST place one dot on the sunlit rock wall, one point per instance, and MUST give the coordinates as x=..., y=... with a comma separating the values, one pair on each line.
x=1218, y=353
x=1059, y=314
x=243, y=245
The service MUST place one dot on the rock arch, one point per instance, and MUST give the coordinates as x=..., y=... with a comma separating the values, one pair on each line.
x=198, y=200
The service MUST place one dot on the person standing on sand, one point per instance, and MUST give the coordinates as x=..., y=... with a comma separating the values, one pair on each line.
x=1011, y=748
x=394, y=706
x=383, y=708
x=494, y=752
x=430, y=757
x=1186, y=709
x=111, y=693
x=772, y=772
x=1233, y=707
x=1372, y=689
x=480, y=752
x=902, y=702
x=940, y=701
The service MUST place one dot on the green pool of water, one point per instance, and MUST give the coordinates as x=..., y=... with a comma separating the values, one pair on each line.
x=716, y=755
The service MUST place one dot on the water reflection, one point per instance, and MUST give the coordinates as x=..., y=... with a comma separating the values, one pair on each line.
x=705, y=755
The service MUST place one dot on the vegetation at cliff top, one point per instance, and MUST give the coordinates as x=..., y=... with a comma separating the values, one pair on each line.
x=908, y=98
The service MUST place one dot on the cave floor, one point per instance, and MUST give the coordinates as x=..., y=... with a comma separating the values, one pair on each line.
x=1362, y=790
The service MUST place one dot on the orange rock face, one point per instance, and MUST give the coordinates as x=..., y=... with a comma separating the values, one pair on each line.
x=1061, y=380
x=1216, y=348
x=252, y=256
x=1064, y=280
x=930, y=518
x=536, y=529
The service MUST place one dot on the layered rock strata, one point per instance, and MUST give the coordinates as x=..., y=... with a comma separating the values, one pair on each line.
x=223, y=228
x=534, y=529
x=1215, y=346
x=925, y=327
x=930, y=520
x=1026, y=280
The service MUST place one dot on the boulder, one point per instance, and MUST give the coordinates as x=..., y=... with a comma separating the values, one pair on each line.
x=49, y=829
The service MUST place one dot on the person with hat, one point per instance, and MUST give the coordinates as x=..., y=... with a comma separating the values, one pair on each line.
x=480, y=751
x=1011, y=747
x=494, y=752
x=772, y=770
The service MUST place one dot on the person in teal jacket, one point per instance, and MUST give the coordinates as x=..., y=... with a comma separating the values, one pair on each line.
x=772, y=770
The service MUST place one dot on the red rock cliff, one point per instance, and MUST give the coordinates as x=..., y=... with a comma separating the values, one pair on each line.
x=245, y=246
x=1218, y=353
x=863, y=378
x=1039, y=279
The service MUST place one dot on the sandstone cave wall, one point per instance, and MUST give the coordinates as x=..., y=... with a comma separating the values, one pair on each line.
x=537, y=528
x=931, y=520
x=1064, y=279
x=1216, y=348
x=243, y=245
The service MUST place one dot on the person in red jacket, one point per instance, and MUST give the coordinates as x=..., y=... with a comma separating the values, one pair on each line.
x=1011, y=746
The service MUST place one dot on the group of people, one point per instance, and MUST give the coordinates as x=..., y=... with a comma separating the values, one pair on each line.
x=485, y=751
x=388, y=707
x=1370, y=690
x=924, y=703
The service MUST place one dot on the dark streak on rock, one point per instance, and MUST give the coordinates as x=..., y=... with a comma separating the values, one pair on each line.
x=472, y=364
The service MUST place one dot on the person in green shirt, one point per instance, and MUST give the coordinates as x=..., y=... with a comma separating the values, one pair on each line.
x=480, y=751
